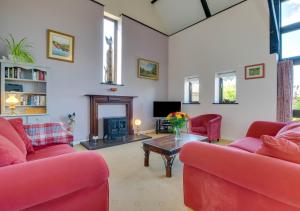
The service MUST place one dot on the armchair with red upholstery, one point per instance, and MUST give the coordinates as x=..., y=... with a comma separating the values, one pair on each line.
x=206, y=125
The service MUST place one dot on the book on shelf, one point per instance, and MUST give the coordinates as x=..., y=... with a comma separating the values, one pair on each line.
x=39, y=75
x=33, y=100
x=25, y=74
x=13, y=72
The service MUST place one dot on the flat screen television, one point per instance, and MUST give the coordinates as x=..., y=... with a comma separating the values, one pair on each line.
x=163, y=108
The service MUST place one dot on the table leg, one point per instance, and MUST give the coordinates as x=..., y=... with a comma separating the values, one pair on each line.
x=146, y=159
x=168, y=164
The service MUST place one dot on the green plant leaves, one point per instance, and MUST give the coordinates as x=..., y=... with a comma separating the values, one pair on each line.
x=19, y=50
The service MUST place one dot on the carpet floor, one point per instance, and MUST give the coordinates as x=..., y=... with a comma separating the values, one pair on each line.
x=134, y=187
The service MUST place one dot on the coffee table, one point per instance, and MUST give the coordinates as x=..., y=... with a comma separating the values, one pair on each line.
x=168, y=148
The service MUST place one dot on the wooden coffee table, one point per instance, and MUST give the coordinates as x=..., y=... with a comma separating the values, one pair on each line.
x=168, y=147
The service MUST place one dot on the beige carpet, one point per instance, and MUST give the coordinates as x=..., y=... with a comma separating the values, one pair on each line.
x=136, y=188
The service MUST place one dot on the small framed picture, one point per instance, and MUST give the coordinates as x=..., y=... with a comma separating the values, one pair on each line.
x=255, y=71
x=60, y=46
x=148, y=69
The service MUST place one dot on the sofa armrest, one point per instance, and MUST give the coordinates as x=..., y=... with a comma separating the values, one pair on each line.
x=214, y=128
x=35, y=182
x=259, y=128
x=271, y=177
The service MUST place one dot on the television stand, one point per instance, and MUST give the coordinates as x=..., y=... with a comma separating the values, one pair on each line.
x=163, y=126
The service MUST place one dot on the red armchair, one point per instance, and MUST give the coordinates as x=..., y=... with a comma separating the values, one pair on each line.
x=239, y=179
x=206, y=125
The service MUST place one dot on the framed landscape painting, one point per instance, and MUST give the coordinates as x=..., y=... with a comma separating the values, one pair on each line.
x=255, y=71
x=148, y=69
x=60, y=46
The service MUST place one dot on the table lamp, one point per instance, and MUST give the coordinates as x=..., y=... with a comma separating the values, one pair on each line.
x=12, y=101
x=137, y=123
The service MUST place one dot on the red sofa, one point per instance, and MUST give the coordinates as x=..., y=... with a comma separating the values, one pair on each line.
x=206, y=125
x=55, y=177
x=233, y=178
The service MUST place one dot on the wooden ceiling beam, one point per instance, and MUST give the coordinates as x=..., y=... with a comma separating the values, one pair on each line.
x=206, y=8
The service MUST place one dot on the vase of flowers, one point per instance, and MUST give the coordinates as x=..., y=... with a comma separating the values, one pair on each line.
x=178, y=120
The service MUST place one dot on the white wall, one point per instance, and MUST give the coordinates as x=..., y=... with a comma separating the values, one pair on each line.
x=227, y=42
x=69, y=82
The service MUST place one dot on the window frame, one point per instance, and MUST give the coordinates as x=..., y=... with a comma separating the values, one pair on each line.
x=286, y=29
x=115, y=49
x=219, y=98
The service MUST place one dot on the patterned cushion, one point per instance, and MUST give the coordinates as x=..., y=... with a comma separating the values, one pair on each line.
x=48, y=133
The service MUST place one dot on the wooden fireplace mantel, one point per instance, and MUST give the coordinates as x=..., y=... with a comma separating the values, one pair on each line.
x=98, y=100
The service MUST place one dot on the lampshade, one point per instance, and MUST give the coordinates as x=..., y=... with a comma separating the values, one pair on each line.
x=12, y=99
x=137, y=122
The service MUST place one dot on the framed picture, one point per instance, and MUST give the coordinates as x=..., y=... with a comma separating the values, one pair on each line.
x=148, y=69
x=60, y=46
x=255, y=71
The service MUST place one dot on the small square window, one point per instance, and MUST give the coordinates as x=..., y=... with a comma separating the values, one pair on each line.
x=192, y=86
x=225, y=88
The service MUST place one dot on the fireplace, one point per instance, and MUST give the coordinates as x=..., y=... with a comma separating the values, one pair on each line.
x=115, y=128
x=119, y=129
x=98, y=100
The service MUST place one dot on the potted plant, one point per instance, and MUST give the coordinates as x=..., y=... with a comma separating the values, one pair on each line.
x=178, y=120
x=18, y=51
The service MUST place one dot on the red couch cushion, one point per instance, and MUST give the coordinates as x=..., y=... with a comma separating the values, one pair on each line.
x=248, y=144
x=18, y=125
x=11, y=134
x=289, y=126
x=50, y=151
x=290, y=132
x=9, y=153
x=280, y=148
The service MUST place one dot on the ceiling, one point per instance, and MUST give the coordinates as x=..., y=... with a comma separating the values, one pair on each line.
x=167, y=16
x=178, y=14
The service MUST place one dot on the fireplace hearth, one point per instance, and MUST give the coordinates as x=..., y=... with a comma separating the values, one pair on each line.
x=100, y=143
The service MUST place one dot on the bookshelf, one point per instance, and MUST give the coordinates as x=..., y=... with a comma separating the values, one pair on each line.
x=29, y=85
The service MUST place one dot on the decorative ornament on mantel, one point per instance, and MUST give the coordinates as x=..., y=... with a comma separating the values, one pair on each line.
x=113, y=89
